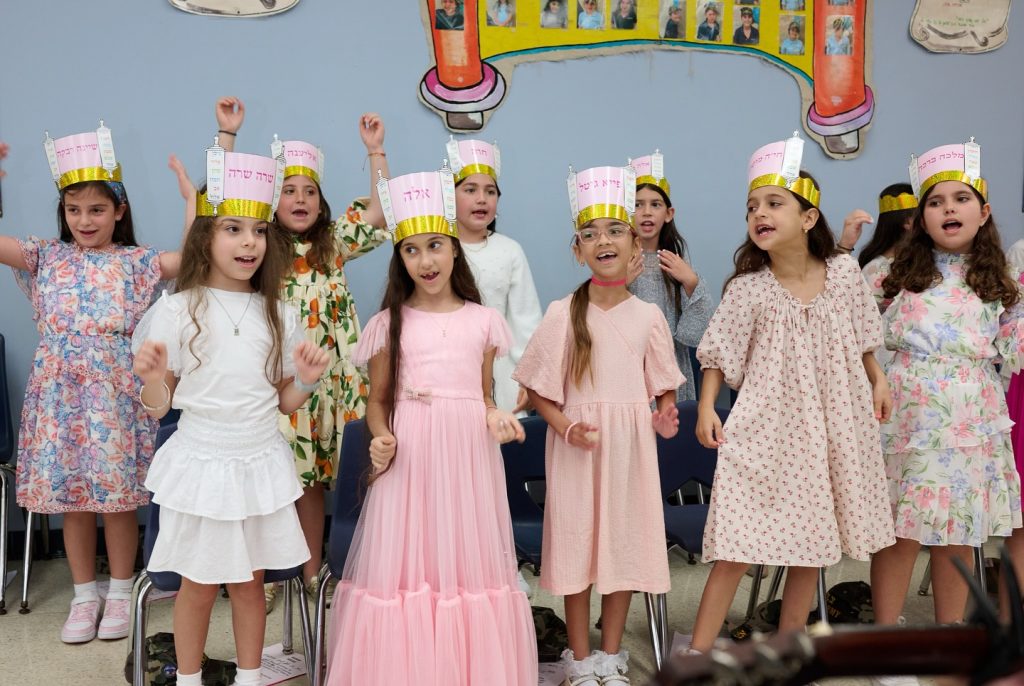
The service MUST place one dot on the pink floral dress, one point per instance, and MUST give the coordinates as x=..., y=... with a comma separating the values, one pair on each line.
x=85, y=442
x=949, y=458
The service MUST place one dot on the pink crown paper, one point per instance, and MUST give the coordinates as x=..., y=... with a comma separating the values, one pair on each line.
x=473, y=157
x=82, y=157
x=251, y=187
x=300, y=158
x=778, y=164
x=423, y=202
x=651, y=169
x=958, y=162
x=602, y=192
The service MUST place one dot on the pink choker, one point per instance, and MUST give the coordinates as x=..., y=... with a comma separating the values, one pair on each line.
x=598, y=282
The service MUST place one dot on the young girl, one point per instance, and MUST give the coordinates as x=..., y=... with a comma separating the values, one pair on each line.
x=85, y=443
x=317, y=287
x=949, y=458
x=1015, y=407
x=800, y=479
x=429, y=593
x=667, y=279
x=229, y=355
x=498, y=263
x=591, y=369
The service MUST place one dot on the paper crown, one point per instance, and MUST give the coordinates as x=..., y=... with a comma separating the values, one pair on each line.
x=82, y=157
x=894, y=203
x=602, y=193
x=300, y=158
x=423, y=202
x=240, y=185
x=651, y=169
x=958, y=162
x=473, y=157
x=778, y=164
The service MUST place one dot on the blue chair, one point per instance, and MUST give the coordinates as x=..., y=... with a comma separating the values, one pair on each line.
x=6, y=471
x=354, y=464
x=169, y=581
x=524, y=463
x=681, y=460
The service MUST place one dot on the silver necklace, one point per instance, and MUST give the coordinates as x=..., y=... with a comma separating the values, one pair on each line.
x=233, y=322
x=444, y=329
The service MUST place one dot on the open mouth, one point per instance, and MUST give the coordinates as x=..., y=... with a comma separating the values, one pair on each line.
x=300, y=214
x=606, y=256
x=480, y=215
x=764, y=230
x=951, y=225
x=248, y=261
x=430, y=277
x=647, y=224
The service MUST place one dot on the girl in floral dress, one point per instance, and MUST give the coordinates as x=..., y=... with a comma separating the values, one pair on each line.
x=949, y=458
x=85, y=442
x=317, y=287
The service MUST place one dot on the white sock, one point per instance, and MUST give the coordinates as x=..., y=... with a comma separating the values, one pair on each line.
x=120, y=588
x=248, y=677
x=86, y=592
x=190, y=679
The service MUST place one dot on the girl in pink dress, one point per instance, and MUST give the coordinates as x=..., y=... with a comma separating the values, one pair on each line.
x=800, y=479
x=591, y=369
x=429, y=593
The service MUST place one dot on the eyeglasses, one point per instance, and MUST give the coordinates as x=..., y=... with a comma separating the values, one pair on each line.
x=612, y=233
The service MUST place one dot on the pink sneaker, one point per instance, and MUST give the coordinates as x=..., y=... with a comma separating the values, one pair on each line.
x=81, y=624
x=115, y=621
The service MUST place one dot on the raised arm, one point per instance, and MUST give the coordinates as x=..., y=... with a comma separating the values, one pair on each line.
x=230, y=113
x=371, y=131
x=10, y=249
x=170, y=262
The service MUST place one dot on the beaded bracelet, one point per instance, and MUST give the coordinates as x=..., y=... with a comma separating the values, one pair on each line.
x=167, y=399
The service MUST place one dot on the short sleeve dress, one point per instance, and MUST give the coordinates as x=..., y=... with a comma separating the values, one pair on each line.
x=85, y=442
x=603, y=519
x=800, y=479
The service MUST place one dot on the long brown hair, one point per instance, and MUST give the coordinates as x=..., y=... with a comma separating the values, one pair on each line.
x=987, y=271
x=671, y=240
x=398, y=290
x=821, y=243
x=322, y=250
x=124, y=229
x=889, y=229
x=195, y=273
x=582, y=342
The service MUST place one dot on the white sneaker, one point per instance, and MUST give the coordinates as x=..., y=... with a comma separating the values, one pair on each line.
x=80, y=626
x=525, y=587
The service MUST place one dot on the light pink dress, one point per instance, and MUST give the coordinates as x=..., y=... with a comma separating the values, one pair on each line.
x=429, y=595
x=800, y=478
x=603, y=520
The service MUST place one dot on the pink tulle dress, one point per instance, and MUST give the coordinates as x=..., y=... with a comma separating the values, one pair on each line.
x=429, y=594
x=1015, y=407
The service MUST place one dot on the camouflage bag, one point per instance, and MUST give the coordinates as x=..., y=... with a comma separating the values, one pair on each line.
x=162, y=664
x=552, y=636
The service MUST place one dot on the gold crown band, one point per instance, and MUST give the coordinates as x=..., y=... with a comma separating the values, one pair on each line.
x=477, y=168
x=660, y=183
x=979, y=184
x=603, y=211
x=893, y=203
x=234, y=207
x=301, y=170
x=425, y=224
x=803, y=186
x=88, y=174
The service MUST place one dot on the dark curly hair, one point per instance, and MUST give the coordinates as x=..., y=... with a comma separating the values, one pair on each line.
x=987, y=271
x=821, y=243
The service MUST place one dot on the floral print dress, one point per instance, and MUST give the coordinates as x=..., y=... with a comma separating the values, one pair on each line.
x=329, y=316
x=949, y=458
x=85, y=442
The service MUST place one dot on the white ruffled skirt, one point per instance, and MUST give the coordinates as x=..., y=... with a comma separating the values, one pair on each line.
x=226, y=494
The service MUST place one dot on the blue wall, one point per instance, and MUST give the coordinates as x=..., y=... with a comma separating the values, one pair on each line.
x=310, y=72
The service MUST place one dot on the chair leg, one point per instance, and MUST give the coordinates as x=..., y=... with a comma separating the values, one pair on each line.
x=666, y=641
x=4, y=485
x=926, y=579
x=755, y=591
x=316, y=675
x=143, y=585
x=286, y=638
x=26, y=570
x=822, y=602
x=655, y=629
x=979, y=568
x=773, y=587
x=307, y=629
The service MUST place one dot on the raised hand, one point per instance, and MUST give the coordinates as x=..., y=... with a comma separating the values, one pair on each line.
x=230, y=114
x=150, y=362
x=310, y=362
x=371, y=131
x=504, y=427
x=185, y=186
x=666, y=423
x=676, y=267
x=4, y=148
x=853, y=225
x=635, y=267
